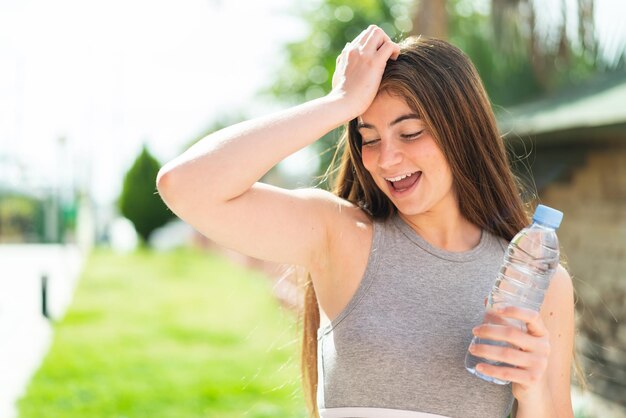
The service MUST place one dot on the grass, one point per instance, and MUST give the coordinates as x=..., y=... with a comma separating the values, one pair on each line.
x=180, y=334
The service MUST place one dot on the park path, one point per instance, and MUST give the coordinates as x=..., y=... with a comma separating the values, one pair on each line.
x=25, y=333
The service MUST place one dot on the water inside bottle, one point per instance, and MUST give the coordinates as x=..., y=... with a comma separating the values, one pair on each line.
x=471, y=361
x=492, y=318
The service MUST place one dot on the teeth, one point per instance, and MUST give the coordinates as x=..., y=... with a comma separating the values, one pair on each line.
x=399, y=177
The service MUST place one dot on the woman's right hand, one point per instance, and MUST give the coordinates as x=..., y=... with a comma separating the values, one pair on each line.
x=360, y=68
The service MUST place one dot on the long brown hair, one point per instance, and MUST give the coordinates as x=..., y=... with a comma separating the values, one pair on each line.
x=439, y=83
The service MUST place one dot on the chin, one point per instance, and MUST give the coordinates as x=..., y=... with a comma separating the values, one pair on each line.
x=408, y=208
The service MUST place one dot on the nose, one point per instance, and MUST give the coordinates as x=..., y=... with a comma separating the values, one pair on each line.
x=389, y=156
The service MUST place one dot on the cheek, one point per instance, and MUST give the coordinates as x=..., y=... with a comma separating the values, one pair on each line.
x=437, y=166
x=444, y=175
x=368, y=159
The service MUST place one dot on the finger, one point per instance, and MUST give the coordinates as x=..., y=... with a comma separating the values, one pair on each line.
x=386, y=51
x=361, y=37
x=343, y=52
x=509, y=355
x=492, y=317
x=506, y=333
x=395, y=49
x=533, y=320
x=375, y=39
x=396, y=54
x=511, y=374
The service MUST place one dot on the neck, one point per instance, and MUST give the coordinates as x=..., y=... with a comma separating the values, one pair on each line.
x=446, y=229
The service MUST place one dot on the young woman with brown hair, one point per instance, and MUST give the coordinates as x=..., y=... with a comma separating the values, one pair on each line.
x=402, y=254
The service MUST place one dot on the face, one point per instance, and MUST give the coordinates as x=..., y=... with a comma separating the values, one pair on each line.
x=403, y=158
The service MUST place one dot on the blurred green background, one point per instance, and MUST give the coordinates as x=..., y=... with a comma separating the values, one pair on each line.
x=164, y=322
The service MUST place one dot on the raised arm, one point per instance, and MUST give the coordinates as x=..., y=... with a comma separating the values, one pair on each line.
x=213, y=185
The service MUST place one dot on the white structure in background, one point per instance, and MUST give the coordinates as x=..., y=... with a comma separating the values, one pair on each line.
x=25, y=334
x=85, y=225
x=122, y=235
x=174, y=234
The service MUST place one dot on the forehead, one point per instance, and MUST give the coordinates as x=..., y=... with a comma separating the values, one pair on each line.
x=384, y=109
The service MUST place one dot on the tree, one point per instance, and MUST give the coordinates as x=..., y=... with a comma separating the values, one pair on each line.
x=519, y=56
x=517, y=59
x=139, y=201
x=431, y=19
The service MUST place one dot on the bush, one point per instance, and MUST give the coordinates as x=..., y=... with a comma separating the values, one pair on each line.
x=139, y=201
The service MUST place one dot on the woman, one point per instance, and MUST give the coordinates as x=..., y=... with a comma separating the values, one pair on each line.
x=401, y=256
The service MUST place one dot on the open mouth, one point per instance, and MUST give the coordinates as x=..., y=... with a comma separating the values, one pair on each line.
x=406, y=183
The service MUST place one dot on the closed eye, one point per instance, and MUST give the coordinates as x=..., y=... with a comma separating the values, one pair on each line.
x=413, y=135
x=369, y=143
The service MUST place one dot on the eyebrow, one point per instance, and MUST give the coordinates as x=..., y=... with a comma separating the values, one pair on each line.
x=397, y=120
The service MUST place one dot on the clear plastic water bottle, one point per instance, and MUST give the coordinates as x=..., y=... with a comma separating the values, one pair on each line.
x=529, y=263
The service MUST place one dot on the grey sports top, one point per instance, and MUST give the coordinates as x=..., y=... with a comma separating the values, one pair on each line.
x=400, y=343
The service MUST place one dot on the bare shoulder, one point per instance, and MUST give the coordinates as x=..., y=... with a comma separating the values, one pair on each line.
x=329, y=200
x=345, y=222
x=333, y=204
x=557, y=309
x=560, y=293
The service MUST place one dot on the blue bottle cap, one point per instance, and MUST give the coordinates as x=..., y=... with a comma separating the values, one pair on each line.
x=547, y=216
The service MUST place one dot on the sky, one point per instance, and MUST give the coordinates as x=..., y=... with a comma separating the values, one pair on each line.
x=110, y=76
x=84, y=84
